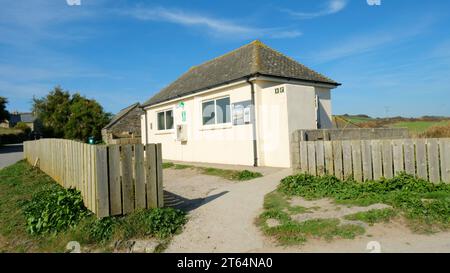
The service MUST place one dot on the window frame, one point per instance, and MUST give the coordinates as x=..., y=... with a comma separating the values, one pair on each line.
x=215, y=111
x=165, y=120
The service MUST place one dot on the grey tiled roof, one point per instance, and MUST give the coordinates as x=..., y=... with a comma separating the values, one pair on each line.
x=251, y=59
x=22, y=117
x=121, y=114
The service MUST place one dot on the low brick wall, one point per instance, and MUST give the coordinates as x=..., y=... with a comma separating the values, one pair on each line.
x=351, y=134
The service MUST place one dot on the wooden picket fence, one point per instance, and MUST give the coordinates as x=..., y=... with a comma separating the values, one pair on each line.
x=373, y=159
x=113, y=179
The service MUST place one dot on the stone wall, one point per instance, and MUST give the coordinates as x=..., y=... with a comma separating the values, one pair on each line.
x=128, y=126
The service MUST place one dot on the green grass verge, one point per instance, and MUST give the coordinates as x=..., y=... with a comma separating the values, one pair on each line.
x=419, y=126
x=37, y=215
x=224, y=173
x=373, y=216
x=425, y=205
x=290, y=232
x=277, y=207
x=7, y=131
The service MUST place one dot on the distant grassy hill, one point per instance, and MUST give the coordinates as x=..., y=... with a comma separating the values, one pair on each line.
x=417, y=126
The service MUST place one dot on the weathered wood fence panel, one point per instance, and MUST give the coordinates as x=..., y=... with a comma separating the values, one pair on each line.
x=113, y=179
x=373, y=159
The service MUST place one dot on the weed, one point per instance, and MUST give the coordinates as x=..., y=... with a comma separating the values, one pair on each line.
x=373, y=216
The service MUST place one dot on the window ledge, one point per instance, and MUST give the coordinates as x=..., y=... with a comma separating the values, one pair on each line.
x=164, y=132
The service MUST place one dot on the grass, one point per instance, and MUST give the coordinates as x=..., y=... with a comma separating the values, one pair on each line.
x=233, y=175
x=373, y=216
x=20, y=182
x=426, y=206
x=277, y=207
x=417, y=127
x=5, y=131
x=290, y=232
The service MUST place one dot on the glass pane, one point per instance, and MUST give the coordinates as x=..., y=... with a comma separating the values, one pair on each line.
x=223, y=110
x=208, y=113
x=161, y=121
x=169, y=120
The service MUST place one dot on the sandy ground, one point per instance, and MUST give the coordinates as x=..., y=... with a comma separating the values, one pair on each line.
x=222, y=215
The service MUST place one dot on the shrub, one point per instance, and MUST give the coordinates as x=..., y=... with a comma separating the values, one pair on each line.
x=164, y=222
x=437, y=132
x=23, y=127
x=54, y=210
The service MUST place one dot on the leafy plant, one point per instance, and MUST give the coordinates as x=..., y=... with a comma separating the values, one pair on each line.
x=54, y=210
x=100, y=230
x=246, y=175
x=164, y=222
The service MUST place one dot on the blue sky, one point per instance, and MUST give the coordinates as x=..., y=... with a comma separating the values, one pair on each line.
x=392, y=59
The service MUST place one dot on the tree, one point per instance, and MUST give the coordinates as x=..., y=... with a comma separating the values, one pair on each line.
x=87, y=118
x=72, y=117
x=53, y=111
x=4, y=114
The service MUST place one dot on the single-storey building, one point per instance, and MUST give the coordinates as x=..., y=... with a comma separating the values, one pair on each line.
x=124, y=125
x=239, y=108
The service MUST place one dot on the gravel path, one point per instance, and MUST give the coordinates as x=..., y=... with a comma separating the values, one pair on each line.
x=10, y=154
x=222, y=215
x=225, y=221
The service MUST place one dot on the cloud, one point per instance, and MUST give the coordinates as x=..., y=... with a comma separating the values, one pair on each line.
x=368, y=42
x=216, y=27
x=331, y=7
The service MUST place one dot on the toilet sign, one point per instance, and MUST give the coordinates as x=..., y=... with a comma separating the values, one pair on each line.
x=183, y=112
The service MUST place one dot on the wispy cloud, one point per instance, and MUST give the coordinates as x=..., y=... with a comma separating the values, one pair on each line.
x=368, y=42
x=215, y=26
x=330, y=7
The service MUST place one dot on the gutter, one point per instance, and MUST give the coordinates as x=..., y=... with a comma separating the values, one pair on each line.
x=147, y=105
x=253, y=113
x=146, y=125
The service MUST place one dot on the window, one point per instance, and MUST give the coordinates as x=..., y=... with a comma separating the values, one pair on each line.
x=216, y=111
x=165, y=120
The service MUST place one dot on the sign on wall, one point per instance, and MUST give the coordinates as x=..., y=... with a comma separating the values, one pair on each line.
x=241, y=112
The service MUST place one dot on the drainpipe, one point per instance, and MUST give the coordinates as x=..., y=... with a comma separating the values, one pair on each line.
x=146, y=127
x=253, y=113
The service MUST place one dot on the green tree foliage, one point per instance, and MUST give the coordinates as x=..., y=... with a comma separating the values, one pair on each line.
x=4, y=114
x=23, y=126
x=71, y=117
x=86, y=118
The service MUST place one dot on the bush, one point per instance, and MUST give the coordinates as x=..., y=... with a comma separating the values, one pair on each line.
x=437, y=132
x=54, y=210
x=23, y=127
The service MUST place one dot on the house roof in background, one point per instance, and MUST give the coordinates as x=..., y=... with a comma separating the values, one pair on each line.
x=121, y=114
x=252, y=59
x=21, y=117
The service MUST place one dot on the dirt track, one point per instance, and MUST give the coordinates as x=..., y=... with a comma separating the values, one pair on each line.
x=222, y=215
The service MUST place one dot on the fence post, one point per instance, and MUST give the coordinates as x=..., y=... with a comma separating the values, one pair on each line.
x=102, y=191
x=151, y=175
